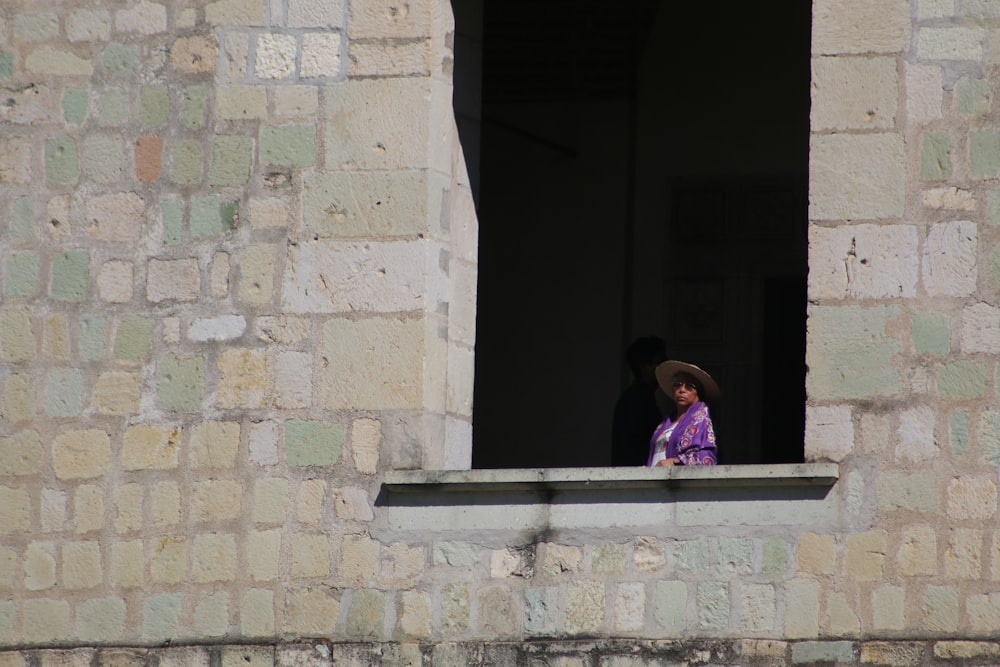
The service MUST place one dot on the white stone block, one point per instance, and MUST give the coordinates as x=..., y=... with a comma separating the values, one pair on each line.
x=223, y=327
x=323, y=14
x=145, y=18
x=88, y=25
x=955, y=199
x=275, y=56
x=951, y=43
x=853, y=93
x=861, y=26
x=293, y=380
x=862, y=261
x=829, y=432
x=949, y=260
x=924, y=93
x=857, y=176
x=321, y=55
x=264, y=438
x=917, y=440
x=981, y=329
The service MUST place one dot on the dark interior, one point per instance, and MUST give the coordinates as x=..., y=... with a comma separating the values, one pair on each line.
x=640, y=168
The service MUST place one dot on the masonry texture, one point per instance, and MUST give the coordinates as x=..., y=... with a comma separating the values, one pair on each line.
x=237, y=285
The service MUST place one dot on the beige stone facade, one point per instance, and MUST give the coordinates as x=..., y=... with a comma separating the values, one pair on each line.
x=238, y=271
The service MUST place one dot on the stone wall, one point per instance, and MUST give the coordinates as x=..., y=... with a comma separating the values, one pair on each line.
x=238, y=273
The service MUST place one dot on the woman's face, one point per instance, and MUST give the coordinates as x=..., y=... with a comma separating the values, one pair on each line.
x=684, y=390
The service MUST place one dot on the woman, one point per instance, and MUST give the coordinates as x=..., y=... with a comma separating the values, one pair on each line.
x=686, y=437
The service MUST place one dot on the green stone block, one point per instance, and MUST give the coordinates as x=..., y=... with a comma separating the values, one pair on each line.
x=931, y=333
x=22, y=219
x=180, y=383
x=172, y=213
x=289, y=145
x=984, y=153
x=17, y=336
x=211, y=615
x=232, y=158
x=64, y=392
x=713, y=605
x=989, y=436
x=961, y=380
x=134, y=339
x=211, y=216
x=852, y=355
x=193, y=107
x=161, y=616
x=993, y=207
x=311, y=443
x=61, y=160
x=972, y=96
x=935, y=156
x=92, y=337
x=100, y=619
x=75, y=102
x=6, y=64
x=838, y=652
x=21, y=275
x=736, y=554
x=186, y=162
x=366, y=615
x=670, y=606
x=154, y=106
x=121, y=60
x=774, y=556
x=70, y=275
x=958, y=433
x=693, y=555
x=608, y=558
x=113, y=108
x=103, y=158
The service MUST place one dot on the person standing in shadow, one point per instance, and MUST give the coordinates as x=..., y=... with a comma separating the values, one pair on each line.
x=637, y=413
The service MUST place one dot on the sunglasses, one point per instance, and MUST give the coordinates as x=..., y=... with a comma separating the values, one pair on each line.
x=690, y=385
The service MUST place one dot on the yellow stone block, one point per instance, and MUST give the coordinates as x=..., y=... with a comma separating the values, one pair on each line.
x=150, y=447
x=213, y=557
x=81, y=565
x=88, y=508
x=81, y=453
x=168, y=561
x=215, y=444
x=866, y=555
x=216, y=500
x=310, y=556
x=816, y=554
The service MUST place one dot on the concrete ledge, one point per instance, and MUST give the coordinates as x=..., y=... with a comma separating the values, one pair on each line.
x=570, y=501
x=564, y=479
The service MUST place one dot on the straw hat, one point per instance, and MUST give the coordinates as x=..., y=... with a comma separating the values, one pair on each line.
x=665, y=372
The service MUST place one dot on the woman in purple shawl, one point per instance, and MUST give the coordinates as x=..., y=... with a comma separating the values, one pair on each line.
x=686, y=437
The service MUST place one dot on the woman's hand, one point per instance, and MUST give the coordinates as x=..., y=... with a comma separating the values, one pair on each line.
x=666, y=462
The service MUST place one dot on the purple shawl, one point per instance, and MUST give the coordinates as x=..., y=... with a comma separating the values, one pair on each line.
x=693, y=441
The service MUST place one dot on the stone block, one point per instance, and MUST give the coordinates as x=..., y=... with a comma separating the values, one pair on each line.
x=257, y=267
x=128, y=508
x=648, y=554
x=856, y=176
x=154, y=106
x=57, y=62
x=860, y=26
x=161, y=618
x=88, y=25
x=352, y=504
x=165, y=502
x=540, y=609
x=917, y=441
x=40, y=566
x=232, y=157
x=608, y=558
x=270, y=500
x=134, y=338
x=312, y=443
x=293, y=380
x=235, y=13
x=310, y=555
x=816, y=554
x=295, y=101
x=216, y=500
x=971, y=498
x=70, y=275
x=309, y=502
x=144, y=18
x=713, y=605
x=972, y=96
x=150, y=447
x=180, y=383
x=385, y=58
x=88, y=508
x=21, y=454
x=214, y=444
x=212, y=216
x=243, y=378
x=121, y=60
x=275, y=56
x=81, y=454
x=213, y=557
x=373, y=364
x=413, y=616
x=311, y=612
x=962, y=379
x=980, y=329
x=880, y=261
x=853, y=93
x=194, y=55
x=81, y=565
x=842, y=620
x=359, y=559
x=585, y=607
x=387, y=19
x=940, y=609
x=949, y=259
x=917, y=553
x=500, y=613
x=55, y=337
x=366, y=614
x=455, y=610
x=865, y=555
x=15, y=160
x=888, y=607
x=241, y=103
x=370, y=124
x=211, y=616
x=950, y=43
x=113, y=108
x=17, y=335
x=44, y=620
x=101, y=619
x=315, y=13
x=402, y=563
x=352, y=204
x=185, y=656
x=288, y=145
x=114, y=282
x=52, y=511
x=957, y=199
x=965, y=650
x=984, y=154
x=127, y=564
x=823, y=652
x=148, y=158
x=186, y=162
x=263, y=549
x=249, y=656
x=17, y=400
x=36, y=26
x=117, y=393
x=459, y=554
x=320, y=55
x=984, y=613
x=264, y=439
x=630, y=607
x=366, y=440
x=829, y=432
x=930, y=333
x=173, y=280
x=218, y=284
x=103, y=159
x=963, y=554
x=854, y=356
x=801, y=609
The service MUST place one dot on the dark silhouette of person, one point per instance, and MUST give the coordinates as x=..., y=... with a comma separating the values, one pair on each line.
x=637, y=414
